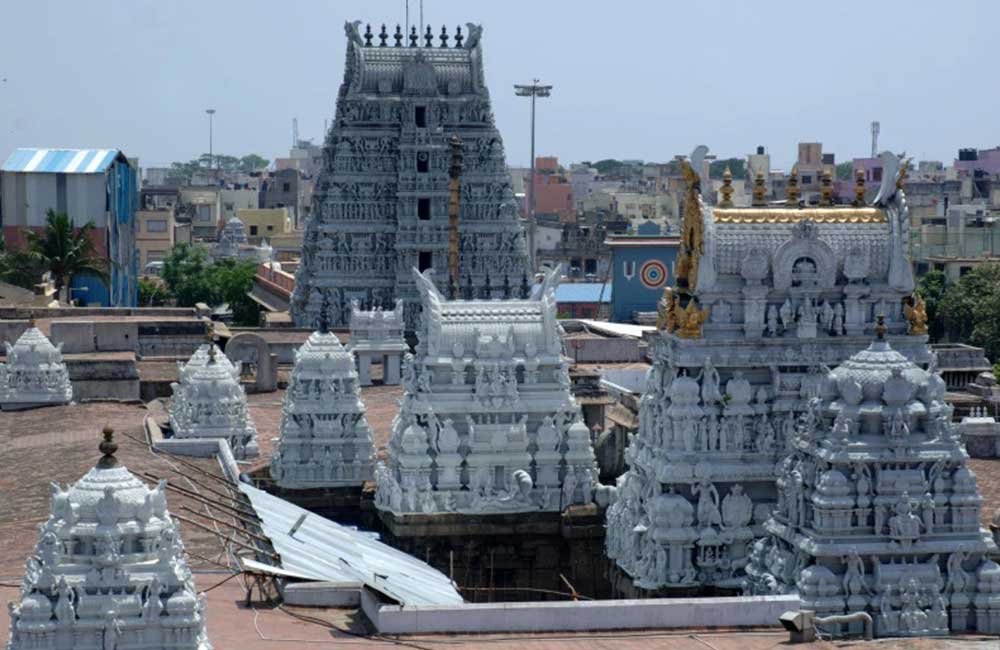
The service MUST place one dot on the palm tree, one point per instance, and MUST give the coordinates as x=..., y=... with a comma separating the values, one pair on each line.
x=64, y=250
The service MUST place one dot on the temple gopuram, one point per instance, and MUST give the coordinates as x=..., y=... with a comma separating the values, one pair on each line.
x=877, y=510
x=766, y=300
x=381, y=203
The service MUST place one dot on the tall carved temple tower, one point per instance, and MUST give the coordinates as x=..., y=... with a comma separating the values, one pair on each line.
x=766, y=300
x=380, y=207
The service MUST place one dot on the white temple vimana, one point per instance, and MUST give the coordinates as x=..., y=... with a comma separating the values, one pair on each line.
x=877, y=511
x=766, y=299
x=325, y=440
x=209, y=402
x=487, y=422
x=35, y=374
x=109, y=570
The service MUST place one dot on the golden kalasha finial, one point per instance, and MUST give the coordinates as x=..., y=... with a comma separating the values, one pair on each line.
x=880, y=327
x=793, y=188
x=211, y=354
x=209, y=332
x=31, y=320
x=859, y=188
x=108, y=447
x=759, y=190
x=726, y=189
x=826, y=188
x=904, y=168
x=915, y=311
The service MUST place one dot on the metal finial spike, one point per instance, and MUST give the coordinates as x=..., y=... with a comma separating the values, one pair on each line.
x=383, y=36
x=414, y=37
x=31, y=320
x=368, y=35
x=458, y=36
x=444, y=36
x=429, y=37
x=108, y=447
x=880, y=327
x=211, y=354
x=398, y=37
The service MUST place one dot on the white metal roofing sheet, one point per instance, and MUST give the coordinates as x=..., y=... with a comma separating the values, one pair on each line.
x=324, y=550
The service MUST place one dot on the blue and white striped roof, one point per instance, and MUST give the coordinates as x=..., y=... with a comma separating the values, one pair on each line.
x=61, y=161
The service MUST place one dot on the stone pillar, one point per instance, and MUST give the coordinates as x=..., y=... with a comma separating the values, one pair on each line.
x=390, y=369
x=365, y=368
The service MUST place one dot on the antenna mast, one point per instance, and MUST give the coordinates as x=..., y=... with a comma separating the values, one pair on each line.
x=875, y=128
x=295, y=132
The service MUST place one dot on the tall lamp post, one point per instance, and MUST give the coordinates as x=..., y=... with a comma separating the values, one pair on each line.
x=211, y=157
x=533, y=90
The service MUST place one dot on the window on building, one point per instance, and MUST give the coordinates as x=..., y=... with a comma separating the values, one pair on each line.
x=590, y=266
x=156, y=225
x=154, y=256
x=286, y=187
x=962, y=270
x=423, y=162
x=229, y=207
x=203, y=213
x=877, y=174
x=425, y=261
x=424, y=209
x=270, y=228
x=420, y=116
x=253, y=230
x=807, y=179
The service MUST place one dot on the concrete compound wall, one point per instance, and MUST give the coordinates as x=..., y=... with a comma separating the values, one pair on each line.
x=97, y=379
x=81, y=337
x=579, y=616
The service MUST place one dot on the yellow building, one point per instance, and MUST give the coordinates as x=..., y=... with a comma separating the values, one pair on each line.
x=154, y=237
x=265, y=223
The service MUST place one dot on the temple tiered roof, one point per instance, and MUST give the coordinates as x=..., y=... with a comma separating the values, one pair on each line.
x=109, y=570
x=34, y=374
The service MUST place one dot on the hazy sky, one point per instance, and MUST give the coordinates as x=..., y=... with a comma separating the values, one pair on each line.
x=632, y=79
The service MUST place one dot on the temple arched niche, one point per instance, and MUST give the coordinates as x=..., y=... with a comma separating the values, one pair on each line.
x=805, y=263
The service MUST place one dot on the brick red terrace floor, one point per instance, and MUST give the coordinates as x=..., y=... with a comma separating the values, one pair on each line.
x=59, y=443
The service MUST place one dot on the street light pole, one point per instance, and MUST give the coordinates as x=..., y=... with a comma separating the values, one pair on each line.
x=211, y=157
x=532, y=90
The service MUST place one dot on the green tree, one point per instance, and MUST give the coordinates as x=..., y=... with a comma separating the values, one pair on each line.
x=65, y=251
x=931, y=287
x=845, y=171
x=969, y=309
x=192, y=279
x=232, y=281
x=252, y=162
x=737, y=167
x=152, y=293
x=185, y=272
x=608, y=166
x=19, y=268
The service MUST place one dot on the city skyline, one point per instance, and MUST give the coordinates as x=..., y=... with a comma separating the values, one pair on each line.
x=639, y=81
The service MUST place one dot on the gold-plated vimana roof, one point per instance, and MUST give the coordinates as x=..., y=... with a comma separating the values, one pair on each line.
x=847, y=214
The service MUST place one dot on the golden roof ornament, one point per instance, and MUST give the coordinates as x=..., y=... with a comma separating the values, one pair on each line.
x=859, y=188
x=904, y=168
x=692, y=244
x=880, y=328
x=666, y=318
x=690, y=319
x=108, y=447
x=915, y=310
x=759, y=191
x=727, y=189
x=793, y=188
x=826, y=188
x=209, y=332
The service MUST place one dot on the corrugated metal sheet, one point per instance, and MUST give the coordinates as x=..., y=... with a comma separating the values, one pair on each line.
x=324, y=550
x=618, y=329
x=61, y=161
x=583, y=292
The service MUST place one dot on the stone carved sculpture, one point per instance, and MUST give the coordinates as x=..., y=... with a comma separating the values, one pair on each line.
x=377, y=336
x=35, y=374
x=209, y=402
x=380, y=204
x=95, y=585
x=478, y=446
x=325, y=440
x=800, y=286
x=913, y=579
